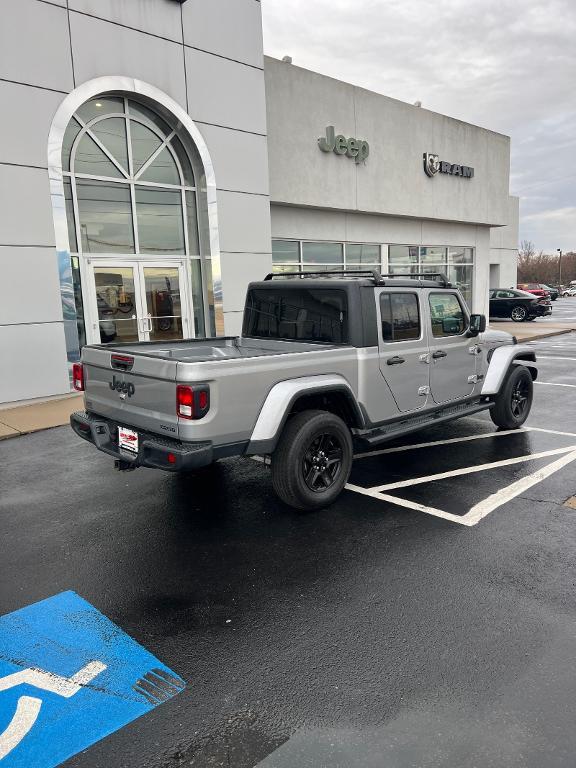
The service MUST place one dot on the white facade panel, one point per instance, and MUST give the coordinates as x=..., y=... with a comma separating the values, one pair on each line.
x=244, y=222
x=157, y=18
x=127, y=52
x=24, y=134
x=25, y=207
x=34, y=44
x=392, y=180
x=240, y=159
x=225, y=93
x=30, y=286
x=34, y=361
x=231, y=28
x=238, y=269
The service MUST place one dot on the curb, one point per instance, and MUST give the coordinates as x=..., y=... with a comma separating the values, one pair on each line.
x=545, y=335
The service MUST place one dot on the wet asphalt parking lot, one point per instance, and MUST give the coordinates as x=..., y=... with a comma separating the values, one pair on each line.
x=430, y=622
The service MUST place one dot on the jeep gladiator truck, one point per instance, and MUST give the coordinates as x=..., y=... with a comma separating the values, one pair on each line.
x=326, y=363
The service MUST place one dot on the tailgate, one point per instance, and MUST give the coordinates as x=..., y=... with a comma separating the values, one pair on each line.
x=132, y=389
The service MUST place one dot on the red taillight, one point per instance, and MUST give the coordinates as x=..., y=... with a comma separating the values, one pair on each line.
x=78, y=377
x=184, y=402
x=192, y=402
x=171, y=458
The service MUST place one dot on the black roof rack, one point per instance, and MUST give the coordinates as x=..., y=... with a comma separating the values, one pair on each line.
x=379, y=279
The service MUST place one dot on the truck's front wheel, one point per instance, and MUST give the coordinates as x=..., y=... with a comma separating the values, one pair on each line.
x=513, y=402
x=312, y=460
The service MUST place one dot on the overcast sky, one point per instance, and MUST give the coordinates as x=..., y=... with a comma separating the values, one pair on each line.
x=507, y=65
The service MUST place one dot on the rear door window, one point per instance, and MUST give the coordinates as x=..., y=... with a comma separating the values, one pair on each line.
x=298, y=314
x=400, y=316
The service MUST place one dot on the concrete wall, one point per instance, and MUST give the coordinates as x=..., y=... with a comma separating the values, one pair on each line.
x=300, y=104
x=504, y=250
x=206, y=55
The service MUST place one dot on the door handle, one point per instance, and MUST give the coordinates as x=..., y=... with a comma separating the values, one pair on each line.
x=395, y=360
x=439, y=353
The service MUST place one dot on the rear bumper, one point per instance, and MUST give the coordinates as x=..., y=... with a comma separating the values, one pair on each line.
x=153, y=451
x=541, y=311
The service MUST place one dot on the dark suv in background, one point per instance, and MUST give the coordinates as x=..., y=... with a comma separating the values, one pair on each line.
x=518, y=305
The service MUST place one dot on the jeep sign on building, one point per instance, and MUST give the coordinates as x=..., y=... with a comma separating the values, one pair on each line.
x=153, y=162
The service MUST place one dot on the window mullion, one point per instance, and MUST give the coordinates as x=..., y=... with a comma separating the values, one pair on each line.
x=185, y=222
x=97, y=141
x=155, y=154
x=134, y=219
x=129, y=142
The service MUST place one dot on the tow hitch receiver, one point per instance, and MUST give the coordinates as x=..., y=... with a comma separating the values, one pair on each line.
x=124, y=466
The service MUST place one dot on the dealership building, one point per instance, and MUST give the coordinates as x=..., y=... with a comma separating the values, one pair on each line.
x=153, y=162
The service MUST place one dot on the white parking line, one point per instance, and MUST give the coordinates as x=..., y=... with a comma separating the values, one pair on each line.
x=495, y=500
x=471, y=470
x=399, y=448
x=550, y=357
x=554, y=384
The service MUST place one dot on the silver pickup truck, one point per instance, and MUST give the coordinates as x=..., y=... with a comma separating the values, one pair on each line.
x=326, y=363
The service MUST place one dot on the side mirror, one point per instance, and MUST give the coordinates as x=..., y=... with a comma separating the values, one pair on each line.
x=477, y=325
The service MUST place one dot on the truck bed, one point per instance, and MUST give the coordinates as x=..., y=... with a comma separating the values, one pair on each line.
x=218, y=348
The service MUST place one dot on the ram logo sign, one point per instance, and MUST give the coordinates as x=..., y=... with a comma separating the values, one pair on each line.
x=433, y=165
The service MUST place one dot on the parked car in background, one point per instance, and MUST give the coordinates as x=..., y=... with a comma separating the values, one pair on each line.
x=569, y=291
x=518, y=305
x=554, y=292
x=534, y=288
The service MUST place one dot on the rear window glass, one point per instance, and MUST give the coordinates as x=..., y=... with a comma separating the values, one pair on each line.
x=298, y=314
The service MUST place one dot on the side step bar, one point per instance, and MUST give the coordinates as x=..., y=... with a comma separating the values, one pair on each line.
x=382, y=434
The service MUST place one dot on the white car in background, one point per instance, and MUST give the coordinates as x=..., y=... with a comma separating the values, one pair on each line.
x=569, y=291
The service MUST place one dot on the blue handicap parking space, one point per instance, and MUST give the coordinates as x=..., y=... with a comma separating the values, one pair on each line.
x=68, y=677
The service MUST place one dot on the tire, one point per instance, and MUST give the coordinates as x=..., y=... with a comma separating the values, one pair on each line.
x=514, y=401
x=518, y=313
x=312, y=460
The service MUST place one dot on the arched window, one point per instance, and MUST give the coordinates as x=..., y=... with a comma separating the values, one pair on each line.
x=133, y=186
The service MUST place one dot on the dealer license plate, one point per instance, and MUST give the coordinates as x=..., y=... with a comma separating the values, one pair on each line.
x=128, y=439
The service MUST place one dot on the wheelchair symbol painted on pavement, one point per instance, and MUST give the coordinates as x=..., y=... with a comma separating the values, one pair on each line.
x=68, y=678
x=28, y=707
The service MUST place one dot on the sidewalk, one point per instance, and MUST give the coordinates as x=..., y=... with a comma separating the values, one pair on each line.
x=533, y=331
x=36, y=416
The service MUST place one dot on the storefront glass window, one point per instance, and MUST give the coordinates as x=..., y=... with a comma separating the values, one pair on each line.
x=129, y=188
x=159, y=214
x=322, y=253
x=403, y=254
x=365, y=254
x=105, y=215
x=285, y=251
x=433, y=255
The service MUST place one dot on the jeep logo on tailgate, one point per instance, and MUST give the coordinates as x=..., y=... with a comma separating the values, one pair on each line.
x=124, y=387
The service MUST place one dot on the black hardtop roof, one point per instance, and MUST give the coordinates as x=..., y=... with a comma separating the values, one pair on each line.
x=367, y=278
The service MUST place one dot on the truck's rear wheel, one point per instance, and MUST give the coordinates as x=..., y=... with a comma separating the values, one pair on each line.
x=312, y=460
x=514, y=401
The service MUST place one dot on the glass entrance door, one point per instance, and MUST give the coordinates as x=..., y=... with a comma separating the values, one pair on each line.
x=138, y=301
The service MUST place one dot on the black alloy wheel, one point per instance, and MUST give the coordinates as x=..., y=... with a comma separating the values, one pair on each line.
x=513, y=403
x=312, y=461
x=322, y=462
x=521, y=397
